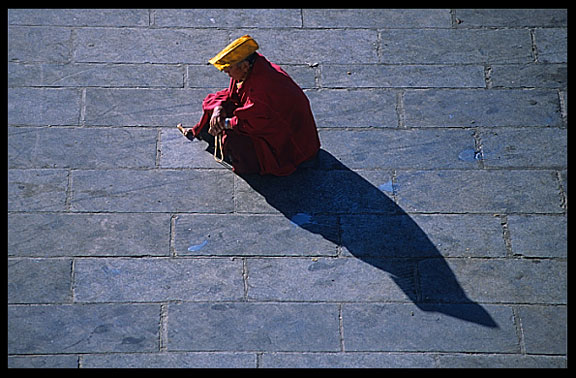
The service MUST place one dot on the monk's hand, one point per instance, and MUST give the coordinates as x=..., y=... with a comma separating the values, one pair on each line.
x=217, y=121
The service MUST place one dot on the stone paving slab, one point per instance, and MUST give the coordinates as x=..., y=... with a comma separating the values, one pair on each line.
x=486, y=191
x=401, y=149
x=37, y=189
x=441, y=46
x=45, y=44
x=467, y=107
x=478, y=361
x=150, y=190
x=538, y=236
x=153, y=280
x=313, y=192
x=552, y=45
x=346, y=360
x=202, y=360
x=429, y=232
x=218, y=18
x=89, y=328
x=44, y=106
x=253, y=326
x=40, y=147
x=404, y=76
x=248, y=235
x=529, y=75
x=517, y=148
x=372, y=327
x=376, y=18
x=128, y=45
x=453, y=235
x=63, y=361
x=96, y=75
x=68, y=234
x=72, y=17
x=354, y=108
x=132, y=107
x=178, y=152
x=542, y=323
x=476, y=18
x=39, y=281
x=510, y=281
x=309, y=46
x=327, y=279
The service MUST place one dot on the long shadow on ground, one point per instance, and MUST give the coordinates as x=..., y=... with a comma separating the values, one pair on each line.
x=372, y=228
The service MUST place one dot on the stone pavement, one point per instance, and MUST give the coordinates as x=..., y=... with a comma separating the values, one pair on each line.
x=430, y=231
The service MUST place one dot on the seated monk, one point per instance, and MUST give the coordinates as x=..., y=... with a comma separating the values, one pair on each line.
x=264, y=118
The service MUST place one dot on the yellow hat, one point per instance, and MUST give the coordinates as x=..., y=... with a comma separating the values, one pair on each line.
x=235, y=52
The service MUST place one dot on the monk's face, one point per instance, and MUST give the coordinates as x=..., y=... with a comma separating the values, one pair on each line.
x=238, y=71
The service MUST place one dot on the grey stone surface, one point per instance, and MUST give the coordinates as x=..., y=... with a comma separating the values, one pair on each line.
x=468, y=361
x=143, y=107
x=206, y=76
x=353, y=108
x=68, y=234
x=64, y=361
x=403, y=76
x=40, y=147
x=545, y=329
x=178, y=152
x=79, y=17
x=328, y=279
x=316, y=45
x=39, y=44
x=538, y=236
x=253, y=327
x=452, y=235
x=346, y=360
x=37, y=189
x=131, y=45
x=150, y=190
x=313, y=192
x=442, y=46
x=229, y=18
x=470, y=108
x=430, y=231
x=483, y=191
x=39, y=281
x=401, y=149
x=95, y=75
x=303, y=75
x=44, y=106
x=153, y=280
x=496, y=281
x=529, y=75
x=405, y=327
x=376, y=18
x=524, y=148
x=87, y=328
x=248, y=235
x=552, y=45
x=478, y=18
x=202, y=360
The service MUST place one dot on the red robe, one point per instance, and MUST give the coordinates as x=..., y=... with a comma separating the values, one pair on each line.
x=274, y=112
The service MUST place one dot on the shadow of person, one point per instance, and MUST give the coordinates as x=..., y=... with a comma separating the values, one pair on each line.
x=371, y=227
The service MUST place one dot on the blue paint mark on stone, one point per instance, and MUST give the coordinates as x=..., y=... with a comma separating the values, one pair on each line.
x=197, y=247
x=301, y=219
x=470, y=155
x=111, y=271
x=387, y=187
